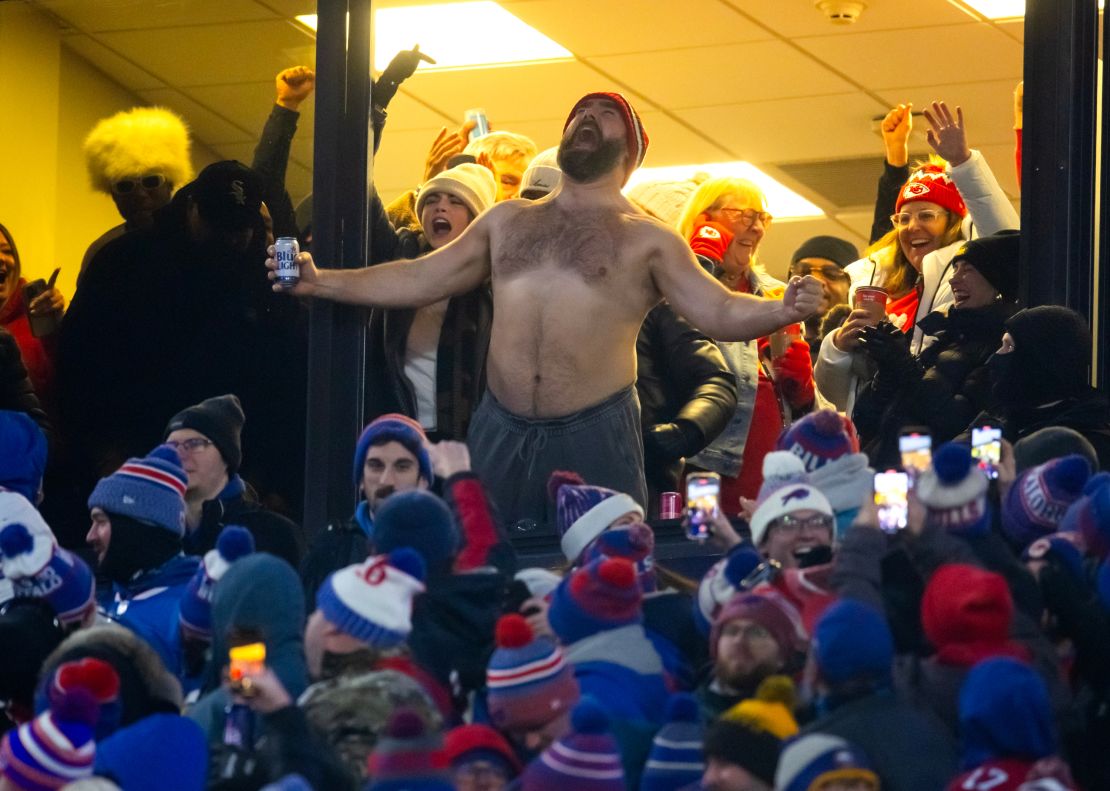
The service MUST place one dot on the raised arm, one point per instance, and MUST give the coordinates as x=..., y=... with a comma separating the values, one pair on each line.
x=719, y=313
x=456, y=268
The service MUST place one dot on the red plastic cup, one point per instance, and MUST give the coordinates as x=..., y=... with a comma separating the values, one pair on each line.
x=873, y=300
x=670, y=505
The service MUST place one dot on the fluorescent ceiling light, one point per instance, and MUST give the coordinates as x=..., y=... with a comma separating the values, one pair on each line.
x=458, y=35
x=782, y=202
x=1003, y=9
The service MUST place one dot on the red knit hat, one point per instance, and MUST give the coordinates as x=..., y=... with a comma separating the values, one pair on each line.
x=931, y=183
x=466, y=740
x=771, y=610
x=637, y=138
x=966, y=612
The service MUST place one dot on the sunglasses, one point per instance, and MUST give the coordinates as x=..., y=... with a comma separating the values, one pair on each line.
x=149, y=182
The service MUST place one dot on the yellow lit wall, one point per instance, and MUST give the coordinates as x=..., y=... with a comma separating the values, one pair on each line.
x=45, y=198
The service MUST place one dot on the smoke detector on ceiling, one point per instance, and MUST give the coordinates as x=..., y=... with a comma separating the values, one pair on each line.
x=841, y=12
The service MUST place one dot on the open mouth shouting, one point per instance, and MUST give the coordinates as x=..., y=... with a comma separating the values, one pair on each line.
x=441, y=226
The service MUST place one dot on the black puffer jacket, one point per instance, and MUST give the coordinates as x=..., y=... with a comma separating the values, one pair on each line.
x=681, y=378
x=947, y=388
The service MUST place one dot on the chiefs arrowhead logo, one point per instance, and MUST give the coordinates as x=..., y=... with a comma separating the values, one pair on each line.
x=915, y=190
x=709, y=232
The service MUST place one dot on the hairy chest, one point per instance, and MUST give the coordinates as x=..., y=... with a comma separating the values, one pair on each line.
x=593, y=246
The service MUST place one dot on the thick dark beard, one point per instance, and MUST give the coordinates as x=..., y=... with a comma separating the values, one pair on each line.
x=587, y=166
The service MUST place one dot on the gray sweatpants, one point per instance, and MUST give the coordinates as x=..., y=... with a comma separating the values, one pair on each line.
x=515, y=456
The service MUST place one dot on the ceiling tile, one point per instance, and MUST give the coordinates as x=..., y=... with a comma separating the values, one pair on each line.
x=298, y=178
x=617, y=28
x=247, y=105
x=1015, y=28
x=399, y=164
x=104, y=15
x=124, y=71
x=859, y=56
x=988, y=107
x=764, y=70
x=1003, y=165
x=204, y=124
x=793, y=129
x=791, y=20
x=232, y=53
x=407, y=112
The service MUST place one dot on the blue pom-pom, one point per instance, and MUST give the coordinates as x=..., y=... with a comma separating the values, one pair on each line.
x=234, y=542
x=683, y=708
x=408, y=560
x=16, y=539
x=166, y=453
x=952, y=462
x=588, y=717
x=1071, y=473
x=1096, y=482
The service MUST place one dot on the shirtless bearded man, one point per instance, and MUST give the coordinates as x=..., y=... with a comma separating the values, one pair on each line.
x=573, y=276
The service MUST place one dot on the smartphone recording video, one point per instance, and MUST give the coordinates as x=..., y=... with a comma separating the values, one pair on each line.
x=245, y=662
x=892, y=499
x=703, y=503
x=986, y=448
x=917, y=451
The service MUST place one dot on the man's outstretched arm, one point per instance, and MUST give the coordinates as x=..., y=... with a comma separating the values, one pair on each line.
x=456, y=268
x=722, y=314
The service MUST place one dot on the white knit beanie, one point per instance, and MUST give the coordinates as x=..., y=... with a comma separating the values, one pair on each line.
x=472, y=184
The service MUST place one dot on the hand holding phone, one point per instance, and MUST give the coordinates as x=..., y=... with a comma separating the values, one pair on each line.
x=703, y=503
x=986, y=447
x=916, y=448
x=892, y=499
x=245, y=662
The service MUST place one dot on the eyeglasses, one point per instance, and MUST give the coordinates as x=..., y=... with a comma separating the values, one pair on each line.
x=792, y=524
x=189, y=445
x=828, y=271
x=151, y=181
x=902, y=219
x=747, y=217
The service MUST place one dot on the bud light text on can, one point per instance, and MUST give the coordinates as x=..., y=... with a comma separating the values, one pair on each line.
x=285, y=253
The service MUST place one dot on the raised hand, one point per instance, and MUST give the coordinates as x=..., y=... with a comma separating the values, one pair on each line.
x=294, y=86
x=896, y=128
x=449, y=458
x=803, y=298
x=947, y=135
x=310, y=275
x=445, y=146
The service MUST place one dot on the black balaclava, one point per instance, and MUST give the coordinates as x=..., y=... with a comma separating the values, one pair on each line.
x=136, y=546
x=1052, y=353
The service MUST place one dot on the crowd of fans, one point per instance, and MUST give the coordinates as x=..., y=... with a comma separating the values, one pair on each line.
x=166, y=623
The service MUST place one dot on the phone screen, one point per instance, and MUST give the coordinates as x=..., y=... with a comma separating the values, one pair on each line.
x=891, y=490
x=245, y=661
x=986, y=447
x=917, y=451
x=703, y=501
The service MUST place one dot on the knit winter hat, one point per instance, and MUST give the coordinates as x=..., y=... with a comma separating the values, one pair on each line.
x=1052, y=442
x=1089, y=516
x=721, y=584
x=635, y=542
x=151, y=490
x=1040, y=497
x=372, y=601
x=228, y=195
x=29, y=632
x=161, y=752
x=1005, y=712
x=771, y=710
x=196, y=605
x=994, y=257
x=474, y=742
x=831, y=248
x=56, y=747
x=853, y=641
x=954, y=491
x=636, y=136
x=421, y=521
x=220, y=419
x=811, y=761
x=582, y=512
x=769, y=609
x=137, y=142
x=96, y=677
x=603, y=595
x=783, y=492
x=966, y=613
x=529, y=682
x=22, y=454
x=819, y=437
x=931, y=183
x=1052, y=348
x=394, y=428
x=675, y=760
x=37, y=567
x=748, y=739
x=586, y=759
x=473, y=184
x=409, y=757
x=542, y=175
x=664, y=200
